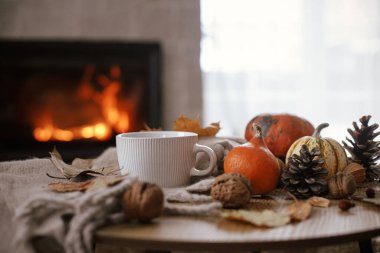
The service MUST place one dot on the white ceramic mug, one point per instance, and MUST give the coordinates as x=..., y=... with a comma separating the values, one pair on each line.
x=166, y=158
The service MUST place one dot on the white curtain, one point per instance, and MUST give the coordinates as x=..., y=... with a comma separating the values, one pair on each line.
x=317, y=59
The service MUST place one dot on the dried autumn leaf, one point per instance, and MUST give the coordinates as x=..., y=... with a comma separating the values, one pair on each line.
x=69, y=186
x=80, y=166
x=318, y=202
x=299, y=210
x=265, y=218
x=93, y=184
x=211, y=130
x=67, y=170
x=149, y=129
x=85, y=175
x=82, y=163
x=109, y=170
x=105, y=181
x=186, y=124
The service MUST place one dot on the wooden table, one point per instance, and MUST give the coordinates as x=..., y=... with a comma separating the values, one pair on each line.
x=326, y=226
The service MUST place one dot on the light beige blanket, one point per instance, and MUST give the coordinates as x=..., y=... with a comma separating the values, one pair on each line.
x=23, y=180
x=19, y=180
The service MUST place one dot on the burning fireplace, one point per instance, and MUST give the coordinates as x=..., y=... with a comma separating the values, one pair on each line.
x=75, y=95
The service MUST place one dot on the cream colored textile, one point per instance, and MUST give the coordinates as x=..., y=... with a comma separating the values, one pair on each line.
x=21, y=181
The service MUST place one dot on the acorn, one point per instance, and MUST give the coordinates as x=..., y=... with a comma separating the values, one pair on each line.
x=357, y=170
x=341, y=185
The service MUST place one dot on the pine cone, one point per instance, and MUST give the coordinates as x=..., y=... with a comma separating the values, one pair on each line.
x=364, y=149
x=305, y=177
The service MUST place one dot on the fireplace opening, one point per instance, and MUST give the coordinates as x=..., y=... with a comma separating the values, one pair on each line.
x=75, y=96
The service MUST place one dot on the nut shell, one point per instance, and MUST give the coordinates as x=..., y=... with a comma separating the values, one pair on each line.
x=341, y=185
x=143, y=201
x=232, y=189
x=357, y=171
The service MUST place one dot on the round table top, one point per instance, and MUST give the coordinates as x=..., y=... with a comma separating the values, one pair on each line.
x=326, y=226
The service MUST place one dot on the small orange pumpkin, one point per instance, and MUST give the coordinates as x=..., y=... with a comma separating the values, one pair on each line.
x=280, y=131
x=255, y=161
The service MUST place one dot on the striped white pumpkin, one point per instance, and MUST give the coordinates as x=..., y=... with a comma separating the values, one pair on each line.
x=331, y=151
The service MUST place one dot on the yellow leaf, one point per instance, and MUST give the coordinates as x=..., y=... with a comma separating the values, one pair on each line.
x=265, y=218
x=186, y=124
x=149, y=129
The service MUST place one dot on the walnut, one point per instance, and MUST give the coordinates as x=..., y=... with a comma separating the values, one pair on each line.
x=342, y=185
x=232, y=189
x=357, y=171
x=143, y=201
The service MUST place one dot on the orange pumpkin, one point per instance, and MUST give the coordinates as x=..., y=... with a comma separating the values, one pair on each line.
x=280, y=131
x=255, y=161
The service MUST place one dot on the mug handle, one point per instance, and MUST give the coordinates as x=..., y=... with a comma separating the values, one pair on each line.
x=211, y=154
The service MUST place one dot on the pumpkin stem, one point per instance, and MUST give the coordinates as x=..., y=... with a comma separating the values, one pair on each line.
x=257, y=132
x=317, y=132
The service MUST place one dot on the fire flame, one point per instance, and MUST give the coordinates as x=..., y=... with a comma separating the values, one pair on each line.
x=114, y=114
